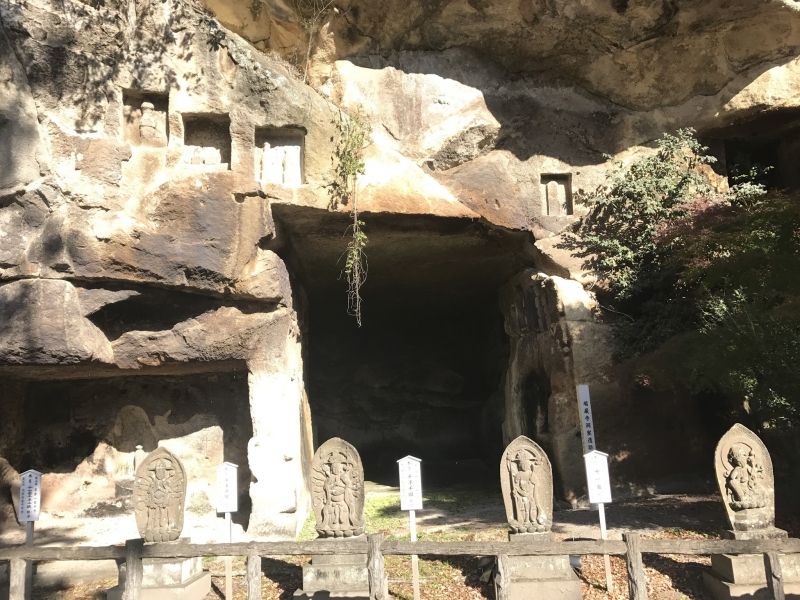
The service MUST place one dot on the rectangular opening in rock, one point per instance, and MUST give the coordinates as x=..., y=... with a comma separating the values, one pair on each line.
x=279, y=155
x=763, y=149
x=145, y=117
x=556, y=194
x=207, y=140
x=423, y=375
x=82, y=433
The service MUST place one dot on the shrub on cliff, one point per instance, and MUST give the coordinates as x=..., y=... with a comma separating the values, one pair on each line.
x=714, y=273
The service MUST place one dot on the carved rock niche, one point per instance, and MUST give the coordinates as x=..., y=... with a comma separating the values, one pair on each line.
x=144, y=118
x=746, y=481
x=280, y=155
x=556, y=194
x=159, y=496
x=207, y=141
x=526, y=479
x=337, y=489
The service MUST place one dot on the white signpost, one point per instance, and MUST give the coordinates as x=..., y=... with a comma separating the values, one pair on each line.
x=228, y=502
x=597, y=480
x=30, y=505
x=411, y=500
x=30, y=501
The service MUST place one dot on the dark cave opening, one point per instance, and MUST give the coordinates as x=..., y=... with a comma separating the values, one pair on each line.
x=423, y=373
x=83, y=432
x=765, y=145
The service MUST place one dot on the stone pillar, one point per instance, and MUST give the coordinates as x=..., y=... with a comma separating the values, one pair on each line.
x=554, y=337
x=279, y=492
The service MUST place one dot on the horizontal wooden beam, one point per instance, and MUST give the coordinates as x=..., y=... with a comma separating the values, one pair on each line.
x=360, y=546
x=720, y=546
x=507, y=548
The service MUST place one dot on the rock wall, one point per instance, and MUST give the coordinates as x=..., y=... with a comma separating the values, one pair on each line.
x=148, y=145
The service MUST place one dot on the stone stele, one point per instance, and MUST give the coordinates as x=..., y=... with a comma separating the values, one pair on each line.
x=526, y=478
x=746, y=480
x=159, y=496
x=337, y=489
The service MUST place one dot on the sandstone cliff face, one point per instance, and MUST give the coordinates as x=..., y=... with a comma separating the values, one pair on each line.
x=163, y=194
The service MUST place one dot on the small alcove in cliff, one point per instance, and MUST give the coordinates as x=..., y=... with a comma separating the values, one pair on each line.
x=423, y=373
x=768, y=142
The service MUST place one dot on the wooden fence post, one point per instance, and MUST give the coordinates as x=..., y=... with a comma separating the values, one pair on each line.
x=17, y=589
x=774, y=575
x=637, y=584
x=253, y=577
x=377, y=574
x=501, y=578
x=134, y=570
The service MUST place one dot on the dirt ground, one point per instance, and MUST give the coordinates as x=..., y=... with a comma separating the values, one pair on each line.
x=472, y=514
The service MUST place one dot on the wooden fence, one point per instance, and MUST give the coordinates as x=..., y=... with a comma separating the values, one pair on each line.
x=376, y=547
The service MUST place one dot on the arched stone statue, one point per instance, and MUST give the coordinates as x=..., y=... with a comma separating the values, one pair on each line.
x=337, y=489
x=159, y=496
x=746, y=481
x=526, y=479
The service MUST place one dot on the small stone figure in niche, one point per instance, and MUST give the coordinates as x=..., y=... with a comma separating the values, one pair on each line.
x=743, y=482
x=526, y=478
x=159, y=494
x=152, y=126
x=338, y=490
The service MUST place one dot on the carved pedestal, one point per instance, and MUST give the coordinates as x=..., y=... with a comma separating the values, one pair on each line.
x=170, y=579
x=526, y=577
x=336, y=576
x=745, y=575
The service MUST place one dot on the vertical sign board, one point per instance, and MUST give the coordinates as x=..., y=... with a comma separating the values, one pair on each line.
x=411, y=500
x=585, y=417
x=227, y=488
x=597, y=479
x=30, y=496
x=410, y=483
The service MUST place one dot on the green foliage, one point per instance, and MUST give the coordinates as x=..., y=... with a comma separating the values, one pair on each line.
x=622, y=236
x=714, y=274
x=348, y=159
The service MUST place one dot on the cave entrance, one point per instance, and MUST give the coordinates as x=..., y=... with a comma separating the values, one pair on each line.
x=80, y=426
x=424, y=373
x=768, y=143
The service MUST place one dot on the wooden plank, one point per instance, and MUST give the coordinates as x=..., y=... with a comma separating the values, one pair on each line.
x=375, y=568
x=508, y=548
x=774, y=575
x=637, y=584
x=288, y=548
x=134, y=570
x=720, y=546
x=253, y=577
x=42, y=553
x=17, y=580
x=502, y=583
x=260, y=548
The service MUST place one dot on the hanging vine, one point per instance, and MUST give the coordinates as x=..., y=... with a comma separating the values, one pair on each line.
x=348, y=159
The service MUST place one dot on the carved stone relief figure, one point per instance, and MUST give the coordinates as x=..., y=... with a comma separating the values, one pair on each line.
x=159, y=495
x=746, y=481
x=152, y=126
x=337, y=490
x=526, y=478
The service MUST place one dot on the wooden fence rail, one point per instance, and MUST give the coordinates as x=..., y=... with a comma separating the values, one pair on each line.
x=375, y=547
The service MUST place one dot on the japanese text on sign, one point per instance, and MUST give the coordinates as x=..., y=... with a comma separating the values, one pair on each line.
x=597, y=478
x=410, y=483
x=585, y=416
x=227, y=488
x=30, y=496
